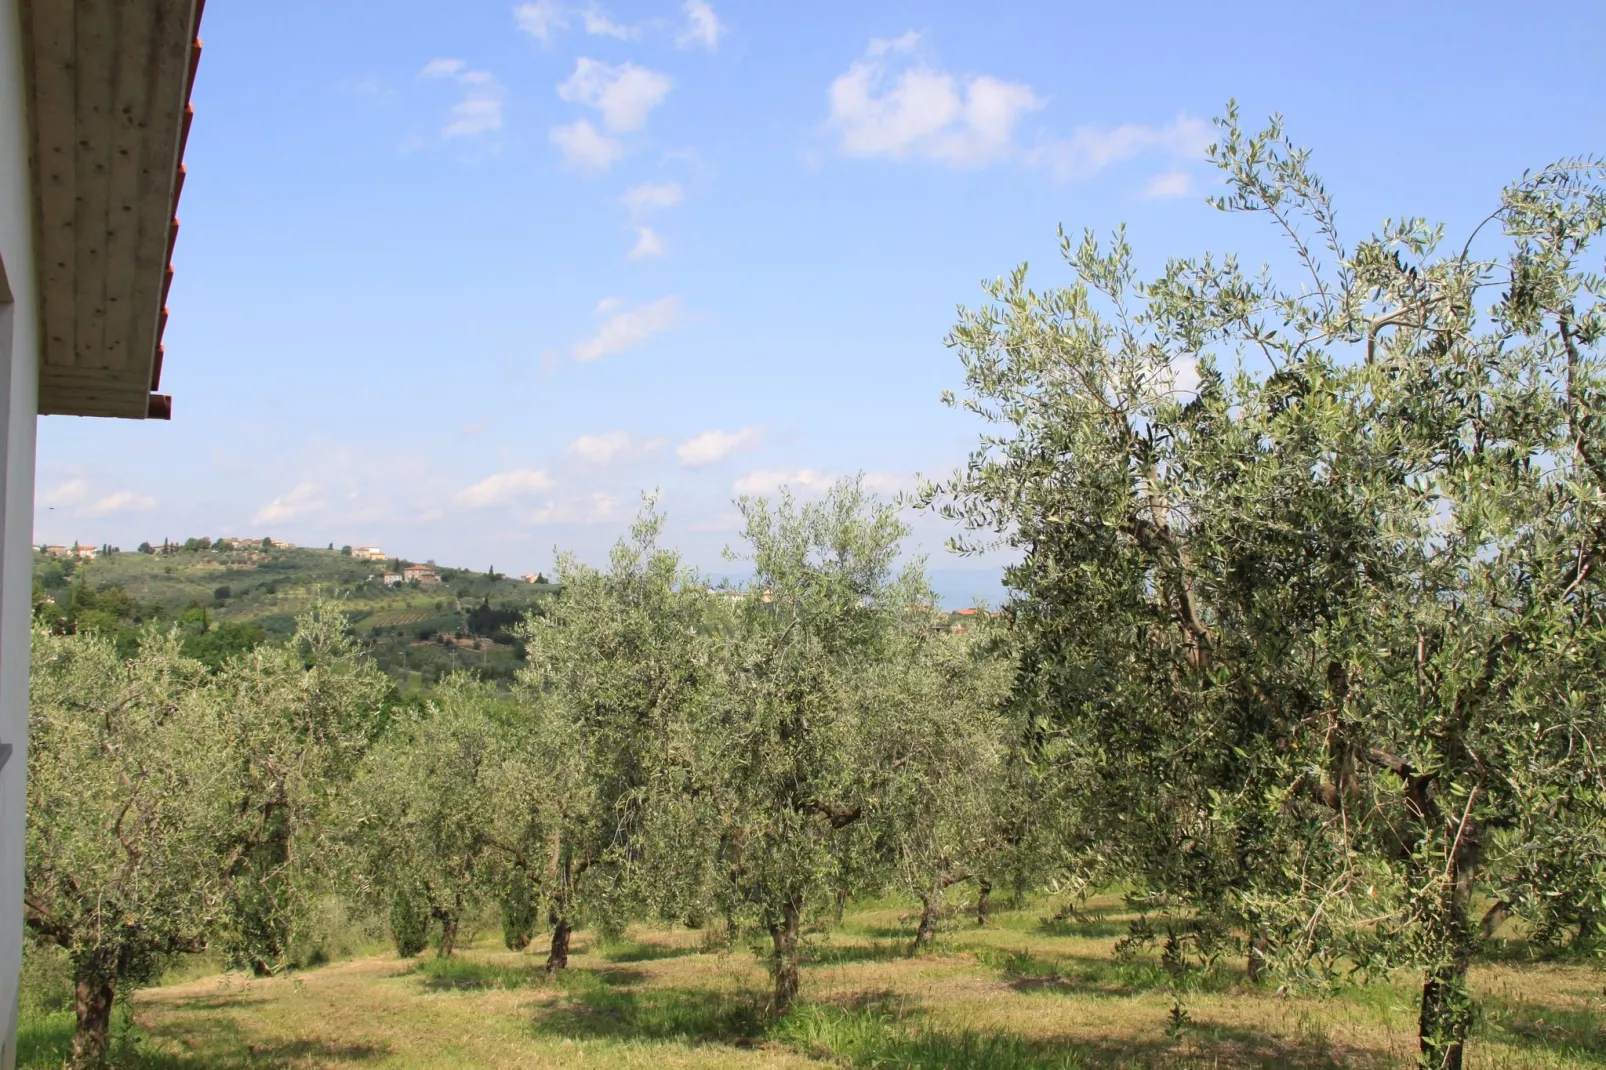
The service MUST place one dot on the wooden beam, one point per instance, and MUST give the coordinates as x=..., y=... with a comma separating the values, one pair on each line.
x=131, y=105
x=99, y=55
x=49, y=26
x=172, y=21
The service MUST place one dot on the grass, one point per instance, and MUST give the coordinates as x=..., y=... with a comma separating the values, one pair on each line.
x=1024, y=993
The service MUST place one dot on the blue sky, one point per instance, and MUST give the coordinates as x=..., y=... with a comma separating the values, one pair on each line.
x=462, y=279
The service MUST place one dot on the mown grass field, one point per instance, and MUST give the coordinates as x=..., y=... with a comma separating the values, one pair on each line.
x=1024, y=993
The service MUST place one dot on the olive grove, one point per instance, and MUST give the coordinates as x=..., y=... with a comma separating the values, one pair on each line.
x=1305, y=654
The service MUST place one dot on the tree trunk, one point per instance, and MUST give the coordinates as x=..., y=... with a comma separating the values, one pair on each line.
x=448, y=934
x=841, y=903
x=557, y=957
x=984, y=906
x=1257, y=954
x=1446, y=1013
x=93, y=1003
x=783, y=964
x=1446, y=1000
x=1495, y=918
x=927, y=932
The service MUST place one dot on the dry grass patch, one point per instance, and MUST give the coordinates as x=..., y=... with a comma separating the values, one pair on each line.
x=1026, y=993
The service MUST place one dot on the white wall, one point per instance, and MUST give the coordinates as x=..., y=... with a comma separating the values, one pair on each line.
x=19, y=393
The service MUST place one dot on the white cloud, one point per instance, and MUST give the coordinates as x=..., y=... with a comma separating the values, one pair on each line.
x=924, y=113
x=729, y=522
x=480, y=109
x=602, y=449
x=1184, y=376
x=798, y=480
x=702, y=26
x=904, y=42
x=599, y=24
x=69, y=492
x=441, y=68
x=598, y=508
x=476, y=113
x=625, y=330
x=503, y=488
x=652, y=197
x=540, y=19
x=304, y=498
x=648, y=245
x=625, y=94
x=121, y=501
x=585, y=148
x=711, y=447
x=886, y=483
x=1168, y=185
x=1092, y=149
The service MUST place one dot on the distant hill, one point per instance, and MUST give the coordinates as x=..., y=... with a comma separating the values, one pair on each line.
x=417, y=632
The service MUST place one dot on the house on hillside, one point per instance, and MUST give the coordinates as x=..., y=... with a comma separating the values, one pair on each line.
x=89, y=553
x=422, y=575
x=393, y=579
x=368, y=553
x=56, y=551
x=94, y=113
x=533, y=577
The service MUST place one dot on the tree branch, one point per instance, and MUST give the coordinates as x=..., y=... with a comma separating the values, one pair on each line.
x=839, y=818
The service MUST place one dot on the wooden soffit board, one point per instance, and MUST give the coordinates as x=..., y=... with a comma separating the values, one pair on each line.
x=109, y=84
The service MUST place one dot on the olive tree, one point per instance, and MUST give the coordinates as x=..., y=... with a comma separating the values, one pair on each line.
x=803, y=706
x=127, y=816
x=618, y=669
x=1320, y=633
x=294, y=722
x=942, y=751
x=425, y=813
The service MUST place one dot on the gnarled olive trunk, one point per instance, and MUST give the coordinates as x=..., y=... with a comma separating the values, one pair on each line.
x=783, y=961
x=1258, y=945
x=557, y=956
x=93, y=997
x=1446, y=1013
x=448, y=937
x=984, y=906
x=927, y=931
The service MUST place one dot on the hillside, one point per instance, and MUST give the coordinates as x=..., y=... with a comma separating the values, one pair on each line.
x=415, y=632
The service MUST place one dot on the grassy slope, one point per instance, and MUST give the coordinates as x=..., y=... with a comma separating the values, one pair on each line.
x=1020, y=994
x=268, y=588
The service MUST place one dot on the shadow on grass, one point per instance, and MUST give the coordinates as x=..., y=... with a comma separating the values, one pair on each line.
x=1097, y=975
x=1536, y=1026
x=597, y=1007
x=619, y=976
x=1310, y=1050
x=900, y=932
x=1518, y=949
x=1085, y=928
x=206, y=1044
x=882, y=1035
x=636, y=951
x=458, y=974
x=842, y=954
